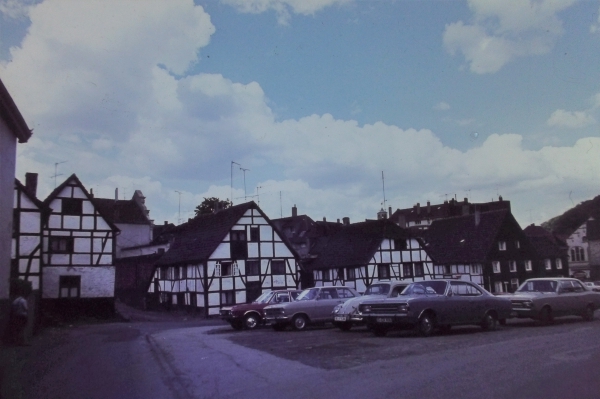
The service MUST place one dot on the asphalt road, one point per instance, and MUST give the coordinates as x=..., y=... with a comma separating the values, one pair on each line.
x=193, y=360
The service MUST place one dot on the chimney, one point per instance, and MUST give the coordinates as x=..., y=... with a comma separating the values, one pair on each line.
x=117, y=194
x=294, y=211
x=166, y=222
x=390, y=212
x=401, y=221
x=500, y=198
x=428, y=207
x=418, y=208
x=324, y=219
x=477, y=217
x=338, y=221
x=466, y=200
x=92, y=192
x=31, y=180
x=346, y=221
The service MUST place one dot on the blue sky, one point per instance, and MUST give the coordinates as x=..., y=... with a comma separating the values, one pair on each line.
x=314, y=98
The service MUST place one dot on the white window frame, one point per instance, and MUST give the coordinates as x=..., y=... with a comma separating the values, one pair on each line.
x=496, y=266
x=528, y=266
x=502, y=245
x=558, y=263
x=548, y=264
x=512, y=266
x=517, y=244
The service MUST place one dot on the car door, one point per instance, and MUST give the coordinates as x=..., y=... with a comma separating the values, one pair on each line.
x=566, y=300
x=324, y=304
x=460, y=309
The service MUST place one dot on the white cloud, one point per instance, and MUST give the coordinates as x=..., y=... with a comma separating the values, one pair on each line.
x=442, y=106
x=503, y=30
x=283, y=7
x=596, y=27
x=15, y=9
x=570, y=119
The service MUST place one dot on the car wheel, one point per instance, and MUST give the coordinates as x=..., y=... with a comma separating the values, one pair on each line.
x=426, y=324
x=279, y=327
x=344, y=326
x=489, y=322
x=299, y=322
x=546, y=315
x=588, y=313
x=379, y=331
x=237, y=325
x=251, y=321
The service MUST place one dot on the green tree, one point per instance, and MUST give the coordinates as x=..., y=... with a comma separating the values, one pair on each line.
x=209, y=205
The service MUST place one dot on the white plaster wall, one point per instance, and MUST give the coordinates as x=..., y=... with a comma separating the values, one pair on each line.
x=96, y=281
x=253, y=250
x=221, y=252
x=26, y=203
x=266, y=233
x=133, y=235
x=78, y=193
x=281, y=250
x=266, y=249
x=30, y=222
x=245, y=220
x=28, y=244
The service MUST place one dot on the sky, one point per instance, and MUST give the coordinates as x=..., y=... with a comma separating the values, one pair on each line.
x=340, y=107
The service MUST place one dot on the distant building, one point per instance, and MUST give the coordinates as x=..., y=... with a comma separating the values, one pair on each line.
x=593, y=240
x=552, y=252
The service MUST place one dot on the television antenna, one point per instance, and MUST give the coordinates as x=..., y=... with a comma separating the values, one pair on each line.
x=56, y=174
x=179, y=217
x=244, y=170
x=231, y=186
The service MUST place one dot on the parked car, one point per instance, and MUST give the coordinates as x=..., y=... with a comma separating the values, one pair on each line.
x=428, y=305
x=346, y=315
x=546, y=298
x=593, y=285
x=313, y=305
x=250, y=315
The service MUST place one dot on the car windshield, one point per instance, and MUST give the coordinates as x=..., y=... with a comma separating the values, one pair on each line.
x=538, y=286
x=378, y=289
x=264, y=298
x=426, y=287
x=308, y=294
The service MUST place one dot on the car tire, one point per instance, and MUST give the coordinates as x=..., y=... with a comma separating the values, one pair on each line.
x=299, y=322
x=251, y=321
x=546, y=315
x=237, y=325
x=489, y=322
x=279, y=327
x=588, y=313
x=426, y=325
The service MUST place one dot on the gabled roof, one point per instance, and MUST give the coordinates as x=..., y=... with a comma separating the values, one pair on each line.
x=197, y=239
x=354, y=244
x=11, y=115
x=21, y=187
x=122, y=211
x=460, y=239
x=74, y=180
x=545, y=243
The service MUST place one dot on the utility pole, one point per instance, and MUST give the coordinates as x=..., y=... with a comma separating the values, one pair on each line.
x=383, y=182
x=56, y=171
x=231, y=186
x=244, y=170
x=179, y=217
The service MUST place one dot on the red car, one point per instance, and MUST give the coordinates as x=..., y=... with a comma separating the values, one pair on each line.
x=250, y=315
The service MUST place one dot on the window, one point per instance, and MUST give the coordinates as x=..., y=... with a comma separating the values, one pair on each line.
x=502, y=245
x=496, y=266
x=512, y=265
x=383, y=271
x=177, y=275
x=277, y=267
x=517, y=244
x=351, y=274
x=340, y=273
x=548, y=264
x=72, y=206
x=228, y=298
x=252, y=268
x=69, y=286
x=407, y=269
x=464, y=289
x=61, y=245
x=514, y=284
x=326, y=275
x=253, y=290
x=419, y=272
x=226, y=269
x=254, y=234
x=328, y=293
x=558, y=263
x=498, y=287
x=239, y=248
x=162, y=274
x=577, y=254
x=528, y=265
x=344, y=293
x=400, y=244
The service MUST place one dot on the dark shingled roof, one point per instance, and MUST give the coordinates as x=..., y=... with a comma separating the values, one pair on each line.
x=545, y=243
x=354, y=244
x=197, y=239
x=459, y=239
x=11, y=115
x=122, y=211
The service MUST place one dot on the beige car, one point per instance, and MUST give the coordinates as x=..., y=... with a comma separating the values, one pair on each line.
x=546, y=298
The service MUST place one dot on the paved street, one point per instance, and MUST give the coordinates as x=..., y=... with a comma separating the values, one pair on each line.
x=189, y=359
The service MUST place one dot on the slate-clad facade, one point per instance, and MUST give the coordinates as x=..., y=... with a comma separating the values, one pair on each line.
x=487, y=248
x=225, y=258
x=361, y=253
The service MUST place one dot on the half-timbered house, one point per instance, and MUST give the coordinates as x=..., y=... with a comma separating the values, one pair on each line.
x=29, y=219
x=78, y=251
x=224, y=258
x=360, y=253
x=552, y=252
x=487, y=248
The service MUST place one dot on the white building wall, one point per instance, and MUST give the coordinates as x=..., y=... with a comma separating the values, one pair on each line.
x=96, y=281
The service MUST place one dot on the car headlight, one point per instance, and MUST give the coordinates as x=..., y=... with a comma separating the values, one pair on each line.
x=365, y=309
x=528, y=304
x=403, y=308
x=337, y=308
